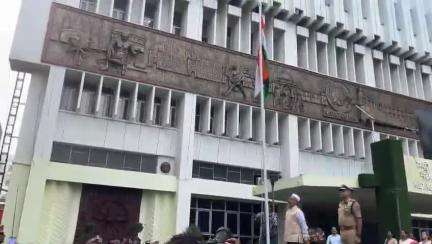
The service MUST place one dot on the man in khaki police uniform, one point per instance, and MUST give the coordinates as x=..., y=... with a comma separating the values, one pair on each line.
x=296, y=229
x=349, y=217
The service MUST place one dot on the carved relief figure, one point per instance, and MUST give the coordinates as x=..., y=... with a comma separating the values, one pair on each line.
x=236, y=80
x=287, y=94
x=75, y=43
x=120, y=49
x=339, y=98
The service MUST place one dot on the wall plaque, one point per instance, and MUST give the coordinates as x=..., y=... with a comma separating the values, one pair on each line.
x=91, y=42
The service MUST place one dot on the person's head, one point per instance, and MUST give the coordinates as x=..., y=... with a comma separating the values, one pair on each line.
x=319, y=230
x=403, y=235
x=312, y=232
x=411, y=235
x=424, y=236
x=293, y=200
x=184, y=238
x=334, y=230
x=223, y=234
x=389, y=235
x=345, y=192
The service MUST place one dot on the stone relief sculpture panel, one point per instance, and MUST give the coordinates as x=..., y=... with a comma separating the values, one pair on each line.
x=110, y=47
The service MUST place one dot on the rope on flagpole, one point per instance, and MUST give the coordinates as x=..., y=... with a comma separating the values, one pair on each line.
x=264, y=177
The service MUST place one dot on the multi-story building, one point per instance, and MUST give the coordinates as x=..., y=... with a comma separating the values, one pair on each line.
x=141, y=111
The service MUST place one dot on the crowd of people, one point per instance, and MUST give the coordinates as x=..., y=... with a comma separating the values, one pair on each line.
x=297, y=231
x=408, y=238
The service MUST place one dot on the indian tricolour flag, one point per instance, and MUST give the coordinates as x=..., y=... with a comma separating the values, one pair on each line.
x=262, y=82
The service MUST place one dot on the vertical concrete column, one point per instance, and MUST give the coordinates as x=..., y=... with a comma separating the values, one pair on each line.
x=403, y=79
x=184, y=160
x=49, y=112
x=34, y=103
x=322, y=53
x=312, y=52
x=327, y=137
x=290, y=43
x=194, y=19
x=246, y=29
x=234, y=23
x=410, y=78
x=104, y=7
x=304, y=133
x=302, y=37
x=316, y=139
x=350, y=61
x=338, y=140
x=332, y=60
x=221, y=26
x=419, y=82
x=387, y=73
x=369, y=68
x=269, y=33
x=396, y=74
x=165, y=15
x=378, y=57
x=33, y=201
x=341, y=58
x=359, y=64
x=426, y=79
x=288, y=135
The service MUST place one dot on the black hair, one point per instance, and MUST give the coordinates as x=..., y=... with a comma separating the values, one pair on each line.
x=185, y=238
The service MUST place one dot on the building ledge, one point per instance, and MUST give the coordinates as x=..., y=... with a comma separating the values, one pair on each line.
x=110, y=177
x=284, y=186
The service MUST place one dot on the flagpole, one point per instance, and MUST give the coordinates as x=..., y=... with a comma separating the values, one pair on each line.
x=264, y=181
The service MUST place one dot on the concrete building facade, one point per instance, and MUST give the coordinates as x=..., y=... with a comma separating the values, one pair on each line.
x=195, y=159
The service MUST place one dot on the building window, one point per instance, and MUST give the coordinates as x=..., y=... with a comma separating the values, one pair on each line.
x=70, y=90
x=198, y=117
x=157, y=111
x=177, y=23
x=107, y=102
x=302, y=52
x=88, y=5
x=212, y=171
x=179, y=20
x=209, y=215
x=88, y=99
x=149, y=14
x=233, y=29
x=120, y=9
x=209, y=26
x=100, y=157
x=173, y=114
x=123, y=105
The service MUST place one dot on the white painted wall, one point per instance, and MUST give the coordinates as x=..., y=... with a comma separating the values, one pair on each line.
x=108, y=133
x=234, y=152
x=319, y=164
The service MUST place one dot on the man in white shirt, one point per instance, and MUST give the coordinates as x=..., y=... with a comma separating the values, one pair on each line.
x=334, y=238
x=296, y=229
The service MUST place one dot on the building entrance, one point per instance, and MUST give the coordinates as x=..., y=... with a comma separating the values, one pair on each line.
x=107, y=211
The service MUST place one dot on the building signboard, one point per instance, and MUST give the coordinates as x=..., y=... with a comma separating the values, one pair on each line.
x=419, y=175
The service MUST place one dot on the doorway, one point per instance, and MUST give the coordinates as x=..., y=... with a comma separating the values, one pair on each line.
x=106, y=211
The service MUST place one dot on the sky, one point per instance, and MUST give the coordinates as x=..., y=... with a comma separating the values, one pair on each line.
x=7, y=78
